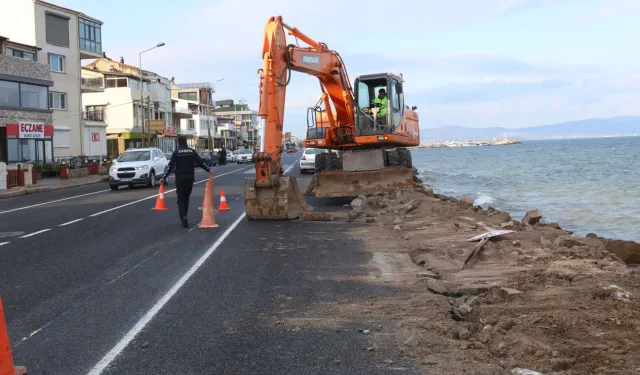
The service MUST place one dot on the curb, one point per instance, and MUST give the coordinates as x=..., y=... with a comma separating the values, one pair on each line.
x=39, y=189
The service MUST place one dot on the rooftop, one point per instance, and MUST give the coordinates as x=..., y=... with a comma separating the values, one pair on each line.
x=200, y=85
x=5, y=39
x=54, y=6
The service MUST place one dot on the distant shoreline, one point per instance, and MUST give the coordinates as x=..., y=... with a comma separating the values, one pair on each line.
x=467, y=144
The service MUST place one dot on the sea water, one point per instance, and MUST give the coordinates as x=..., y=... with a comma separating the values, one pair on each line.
x=585, y=185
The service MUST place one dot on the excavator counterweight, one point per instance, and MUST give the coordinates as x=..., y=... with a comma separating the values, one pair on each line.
x=364, y=134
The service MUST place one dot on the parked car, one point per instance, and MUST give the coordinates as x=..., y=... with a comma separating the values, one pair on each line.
x=244, y=156
x=308, y=159
x=137, y=166
x=231, y=156
x=210, y=158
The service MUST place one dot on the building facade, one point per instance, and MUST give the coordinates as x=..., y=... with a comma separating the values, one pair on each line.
x=197, y=98
x=118, y=105
x=26, y=125
x=239, y=121
x=64, y=37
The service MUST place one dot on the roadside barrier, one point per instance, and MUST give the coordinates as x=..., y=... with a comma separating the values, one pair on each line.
x=208, y=219
x=6, y=358
x=160, y=203
x=223, y=202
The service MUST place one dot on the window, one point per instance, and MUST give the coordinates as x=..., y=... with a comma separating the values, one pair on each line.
x=9, y=94
x=395, y=96
x=90, y=36
x=116, y=82
x=192, y=124
x=27, y=55
x=134, y=83
x=57, y=29
x=58, y=100
x=363, y=95
x=56, y=63
x=193, y=96
x=32, y=96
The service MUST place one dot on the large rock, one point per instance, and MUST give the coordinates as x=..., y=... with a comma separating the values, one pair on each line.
x=359, y=202
x=627, y=251
x=466, y=201
x=403, y=209
x=532, y=217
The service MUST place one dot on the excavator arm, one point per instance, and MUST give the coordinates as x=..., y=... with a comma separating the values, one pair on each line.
x=279, y=60
x=371, y=158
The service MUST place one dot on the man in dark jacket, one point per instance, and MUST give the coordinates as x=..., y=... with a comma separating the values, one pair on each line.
x=184, y=159
x=223, y=156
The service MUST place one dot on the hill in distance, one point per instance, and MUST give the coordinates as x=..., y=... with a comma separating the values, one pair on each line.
x=591, y=128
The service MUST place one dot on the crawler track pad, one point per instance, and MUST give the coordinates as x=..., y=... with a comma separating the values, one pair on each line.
x=280, y=202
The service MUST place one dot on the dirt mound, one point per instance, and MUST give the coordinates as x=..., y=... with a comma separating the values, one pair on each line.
x=538, y=298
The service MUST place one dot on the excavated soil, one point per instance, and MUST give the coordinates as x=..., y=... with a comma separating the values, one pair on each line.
x=537, y=299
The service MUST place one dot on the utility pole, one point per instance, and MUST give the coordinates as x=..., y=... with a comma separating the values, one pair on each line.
x=142, y=85
x=150, y=116
x=209, y=126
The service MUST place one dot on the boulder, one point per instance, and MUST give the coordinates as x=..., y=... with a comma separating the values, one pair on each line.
x=466, y=201
x=532, y=217
x=359, y=202
x=627, y=251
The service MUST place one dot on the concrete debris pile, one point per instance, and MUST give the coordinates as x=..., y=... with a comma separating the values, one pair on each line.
x=536, y=301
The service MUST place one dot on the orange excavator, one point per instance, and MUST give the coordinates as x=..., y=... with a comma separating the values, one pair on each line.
x=370, y=127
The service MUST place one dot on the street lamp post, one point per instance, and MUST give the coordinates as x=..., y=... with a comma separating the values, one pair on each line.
x=212, y=121
x=142, y=86
x=235, y=110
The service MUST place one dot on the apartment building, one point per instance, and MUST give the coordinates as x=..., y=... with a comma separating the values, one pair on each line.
x=26, y=125
x=238, y=120
x=197, y=98
x=116, y=101
x=64, y=37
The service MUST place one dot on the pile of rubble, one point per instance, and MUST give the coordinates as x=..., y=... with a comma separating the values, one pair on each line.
x=535, y=300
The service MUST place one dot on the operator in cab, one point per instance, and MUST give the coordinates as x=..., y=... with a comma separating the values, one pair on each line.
x=184, y=159
x=381, y=101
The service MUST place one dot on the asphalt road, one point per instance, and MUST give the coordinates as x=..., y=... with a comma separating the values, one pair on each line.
x=95, y=282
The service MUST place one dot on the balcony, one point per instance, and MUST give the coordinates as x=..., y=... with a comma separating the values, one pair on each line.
x=93, y=84
x=94, y=116
x=90, y=35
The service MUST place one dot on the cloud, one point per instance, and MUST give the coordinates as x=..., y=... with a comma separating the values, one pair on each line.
x=459, y=84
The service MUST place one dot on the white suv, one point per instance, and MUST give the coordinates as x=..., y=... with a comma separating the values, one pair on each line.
x=137, y=166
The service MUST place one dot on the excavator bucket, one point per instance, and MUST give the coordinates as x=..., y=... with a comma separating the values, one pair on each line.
x=340, y=183
x=282, y=201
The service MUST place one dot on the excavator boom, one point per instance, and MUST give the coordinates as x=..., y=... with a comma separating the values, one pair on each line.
x=369, y=133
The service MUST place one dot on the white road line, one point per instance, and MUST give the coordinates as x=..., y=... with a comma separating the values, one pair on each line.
x=71, y=222
x=4, y=243
x=291, y=166
x=142, y=323
x=215, y=211
x=34, y=233
x=55, y=201
x=153, y=196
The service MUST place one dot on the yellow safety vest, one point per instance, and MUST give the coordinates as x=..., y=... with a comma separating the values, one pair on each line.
x=383, y=103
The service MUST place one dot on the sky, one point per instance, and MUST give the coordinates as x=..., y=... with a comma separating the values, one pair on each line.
x=476, y=63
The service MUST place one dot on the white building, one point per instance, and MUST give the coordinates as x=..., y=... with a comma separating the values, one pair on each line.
x=196, y=98
x=117, y=104
x=239, y=121
x=65, y=37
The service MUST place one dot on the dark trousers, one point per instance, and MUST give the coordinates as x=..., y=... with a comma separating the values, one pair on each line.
x=183, y=190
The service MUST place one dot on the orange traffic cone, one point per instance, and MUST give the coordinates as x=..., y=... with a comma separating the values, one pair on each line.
x=208, y=219
x=160, y=204
x=223, y=202
x=6, y=359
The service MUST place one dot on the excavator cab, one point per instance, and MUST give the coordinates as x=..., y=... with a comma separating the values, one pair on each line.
x=380, y=103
